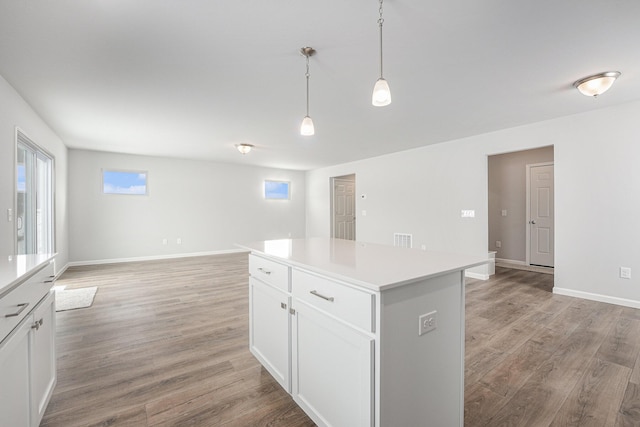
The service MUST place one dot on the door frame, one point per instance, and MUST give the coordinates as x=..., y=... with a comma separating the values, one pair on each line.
x=332, y=212
x=527, y=226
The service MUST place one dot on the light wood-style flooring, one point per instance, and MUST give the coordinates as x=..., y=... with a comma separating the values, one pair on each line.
x=166, y=344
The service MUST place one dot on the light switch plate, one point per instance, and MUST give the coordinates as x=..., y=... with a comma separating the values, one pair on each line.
x=468, y=213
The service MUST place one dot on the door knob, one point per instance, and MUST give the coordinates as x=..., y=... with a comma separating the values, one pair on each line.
x=532, y=222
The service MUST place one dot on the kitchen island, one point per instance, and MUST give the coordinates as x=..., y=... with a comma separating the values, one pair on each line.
x=361, y=334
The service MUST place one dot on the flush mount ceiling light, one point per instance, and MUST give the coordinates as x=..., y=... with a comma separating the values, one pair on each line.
x=244, y=148
x=381, y=92
x=306, y=128
x=597, y=84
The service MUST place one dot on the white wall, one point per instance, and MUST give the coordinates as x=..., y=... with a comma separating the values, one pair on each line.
x=507, y=191
x=14, y=111
x=210, y=206
x=597, y=183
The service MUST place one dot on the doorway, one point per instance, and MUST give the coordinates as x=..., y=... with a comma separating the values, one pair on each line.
x=343, y=207
x=509, y=209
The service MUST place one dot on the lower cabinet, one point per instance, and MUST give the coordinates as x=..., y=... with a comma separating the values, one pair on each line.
x=28, y=367
x=43, y=357
x=14, y=377
x=269, y=329
x=333, y=369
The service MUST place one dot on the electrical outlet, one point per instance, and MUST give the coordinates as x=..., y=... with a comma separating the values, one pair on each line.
x=498, y=244
x=164, y=241
x=504, y=212
x=625, y=273
x=465, y=213
x=179, y=240
x=9, y=214
x=427, y=322
x=364, y=213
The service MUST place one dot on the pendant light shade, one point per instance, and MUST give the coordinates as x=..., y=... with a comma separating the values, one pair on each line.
x=306, y=128
x=597, y=84
x=381, y=92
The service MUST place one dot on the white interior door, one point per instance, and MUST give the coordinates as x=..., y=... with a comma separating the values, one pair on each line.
x=344, y=207
x=540, y=211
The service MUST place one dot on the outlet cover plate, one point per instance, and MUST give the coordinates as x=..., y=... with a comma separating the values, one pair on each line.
x=625, y=273
x=427, y=322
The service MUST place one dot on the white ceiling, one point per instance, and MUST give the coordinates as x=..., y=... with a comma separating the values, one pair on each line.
x=191, y=78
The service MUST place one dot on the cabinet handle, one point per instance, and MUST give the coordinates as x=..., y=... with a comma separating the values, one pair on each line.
x=283, y=306
x=22, y=307
x=321, y=296
x=37, y=325
x=262, y=270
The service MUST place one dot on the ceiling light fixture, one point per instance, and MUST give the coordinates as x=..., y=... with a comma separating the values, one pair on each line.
x=597, y=84
x=244, y=148
x=307, y=128
x=381, y=92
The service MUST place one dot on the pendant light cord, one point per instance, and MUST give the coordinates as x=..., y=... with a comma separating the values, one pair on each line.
x=307, y=75
x=380, y=21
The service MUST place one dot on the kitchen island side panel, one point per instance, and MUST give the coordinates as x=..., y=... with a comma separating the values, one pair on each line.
x=422, y=376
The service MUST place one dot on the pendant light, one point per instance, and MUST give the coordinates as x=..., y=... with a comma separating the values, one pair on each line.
x=381, y=92
x=597, y=84
x=307, y=128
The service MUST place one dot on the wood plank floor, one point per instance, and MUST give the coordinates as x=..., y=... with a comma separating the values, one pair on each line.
x=166, y=344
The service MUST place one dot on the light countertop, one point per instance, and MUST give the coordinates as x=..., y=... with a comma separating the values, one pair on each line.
x=372, y=266
x=15, y=269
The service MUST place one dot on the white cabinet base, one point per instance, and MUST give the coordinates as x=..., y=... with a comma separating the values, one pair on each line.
x=332, y=369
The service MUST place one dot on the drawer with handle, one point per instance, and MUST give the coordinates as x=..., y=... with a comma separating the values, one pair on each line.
x=18, y=303
x=268, y=271
x=340, y=300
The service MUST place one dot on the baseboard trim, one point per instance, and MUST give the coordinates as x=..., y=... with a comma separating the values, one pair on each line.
x=519, y=265
x=510, y=261
x=61, y=271
x=476, y=275
x=152, y=258
x=597, y=297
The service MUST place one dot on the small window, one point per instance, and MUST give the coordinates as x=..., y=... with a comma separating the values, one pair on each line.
x=278, y=190
x=124, y=182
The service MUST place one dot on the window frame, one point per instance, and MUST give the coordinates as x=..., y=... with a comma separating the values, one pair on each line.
x=38, y=154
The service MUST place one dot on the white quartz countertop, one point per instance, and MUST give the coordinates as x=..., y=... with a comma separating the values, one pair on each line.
x=15, y=269
x=373, y=266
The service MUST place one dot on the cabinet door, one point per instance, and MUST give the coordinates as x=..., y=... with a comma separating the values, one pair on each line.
x=43, y=357
x=332, y=368
x=14, y=377
x=270, y=330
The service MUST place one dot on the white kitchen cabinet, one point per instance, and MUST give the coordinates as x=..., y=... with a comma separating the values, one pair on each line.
x=359, y=351
x=42, y=357
x=27, y=342
x=14, y=377
x=332, y=369
x=269, y=337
